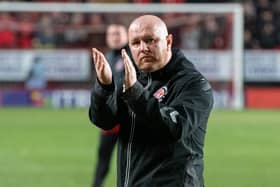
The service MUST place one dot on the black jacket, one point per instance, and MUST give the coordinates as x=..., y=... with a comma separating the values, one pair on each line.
x=163, y=120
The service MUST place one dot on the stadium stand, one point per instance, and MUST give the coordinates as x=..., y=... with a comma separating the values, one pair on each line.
x=65, y=30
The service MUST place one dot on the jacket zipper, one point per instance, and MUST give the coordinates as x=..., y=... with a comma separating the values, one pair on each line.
x=128, y=154
x=131, y=136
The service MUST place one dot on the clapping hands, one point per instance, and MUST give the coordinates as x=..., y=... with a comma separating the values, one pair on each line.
x=104, y=72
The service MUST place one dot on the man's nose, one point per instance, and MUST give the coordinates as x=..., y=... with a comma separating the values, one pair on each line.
x=143, y=46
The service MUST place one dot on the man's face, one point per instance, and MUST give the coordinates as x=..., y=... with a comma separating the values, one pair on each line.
x=149, y=46
x=116, y=36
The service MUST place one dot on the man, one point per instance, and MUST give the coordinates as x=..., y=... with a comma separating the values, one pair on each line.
x=36, y=82
x=162, y=112
x=116, y=39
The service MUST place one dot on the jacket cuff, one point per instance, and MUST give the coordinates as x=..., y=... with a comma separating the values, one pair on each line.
x=134, y=92
x=102, y=89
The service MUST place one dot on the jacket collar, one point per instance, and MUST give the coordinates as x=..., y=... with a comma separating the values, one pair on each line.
x=172, y=67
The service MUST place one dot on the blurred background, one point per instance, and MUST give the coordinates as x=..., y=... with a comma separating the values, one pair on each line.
x=46, y=76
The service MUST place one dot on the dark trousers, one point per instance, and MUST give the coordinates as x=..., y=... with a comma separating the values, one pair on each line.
x=105, y=150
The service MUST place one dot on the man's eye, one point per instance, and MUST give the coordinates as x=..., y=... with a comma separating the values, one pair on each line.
x=150, y=40
x=135, y=43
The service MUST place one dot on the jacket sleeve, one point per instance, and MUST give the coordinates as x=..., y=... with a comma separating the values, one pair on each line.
x=103, y=106
x=189, y=108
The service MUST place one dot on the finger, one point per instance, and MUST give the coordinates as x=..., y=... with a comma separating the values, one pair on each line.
x=96, y=58
x=123, y=53
x=127, y=61
x=100, y=64
x=102, y=57
x=123, y=56
x=94, y=55
x=97, y=62
x=126, y=67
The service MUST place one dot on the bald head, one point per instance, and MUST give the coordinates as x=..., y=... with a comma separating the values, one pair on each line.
x=149, y=42
x=149, y=21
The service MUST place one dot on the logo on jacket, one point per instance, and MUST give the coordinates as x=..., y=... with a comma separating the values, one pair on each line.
x=160, y=93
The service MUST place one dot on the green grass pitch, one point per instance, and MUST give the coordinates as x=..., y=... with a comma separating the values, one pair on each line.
x=57, y=148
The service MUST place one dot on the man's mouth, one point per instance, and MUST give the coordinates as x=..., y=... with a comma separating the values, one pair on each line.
x=147, y=58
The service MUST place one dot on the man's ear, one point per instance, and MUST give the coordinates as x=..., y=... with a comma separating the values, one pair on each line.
x=169, y=40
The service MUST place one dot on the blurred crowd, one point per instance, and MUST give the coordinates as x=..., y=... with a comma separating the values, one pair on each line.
x=193, y=31
x=262, y=25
